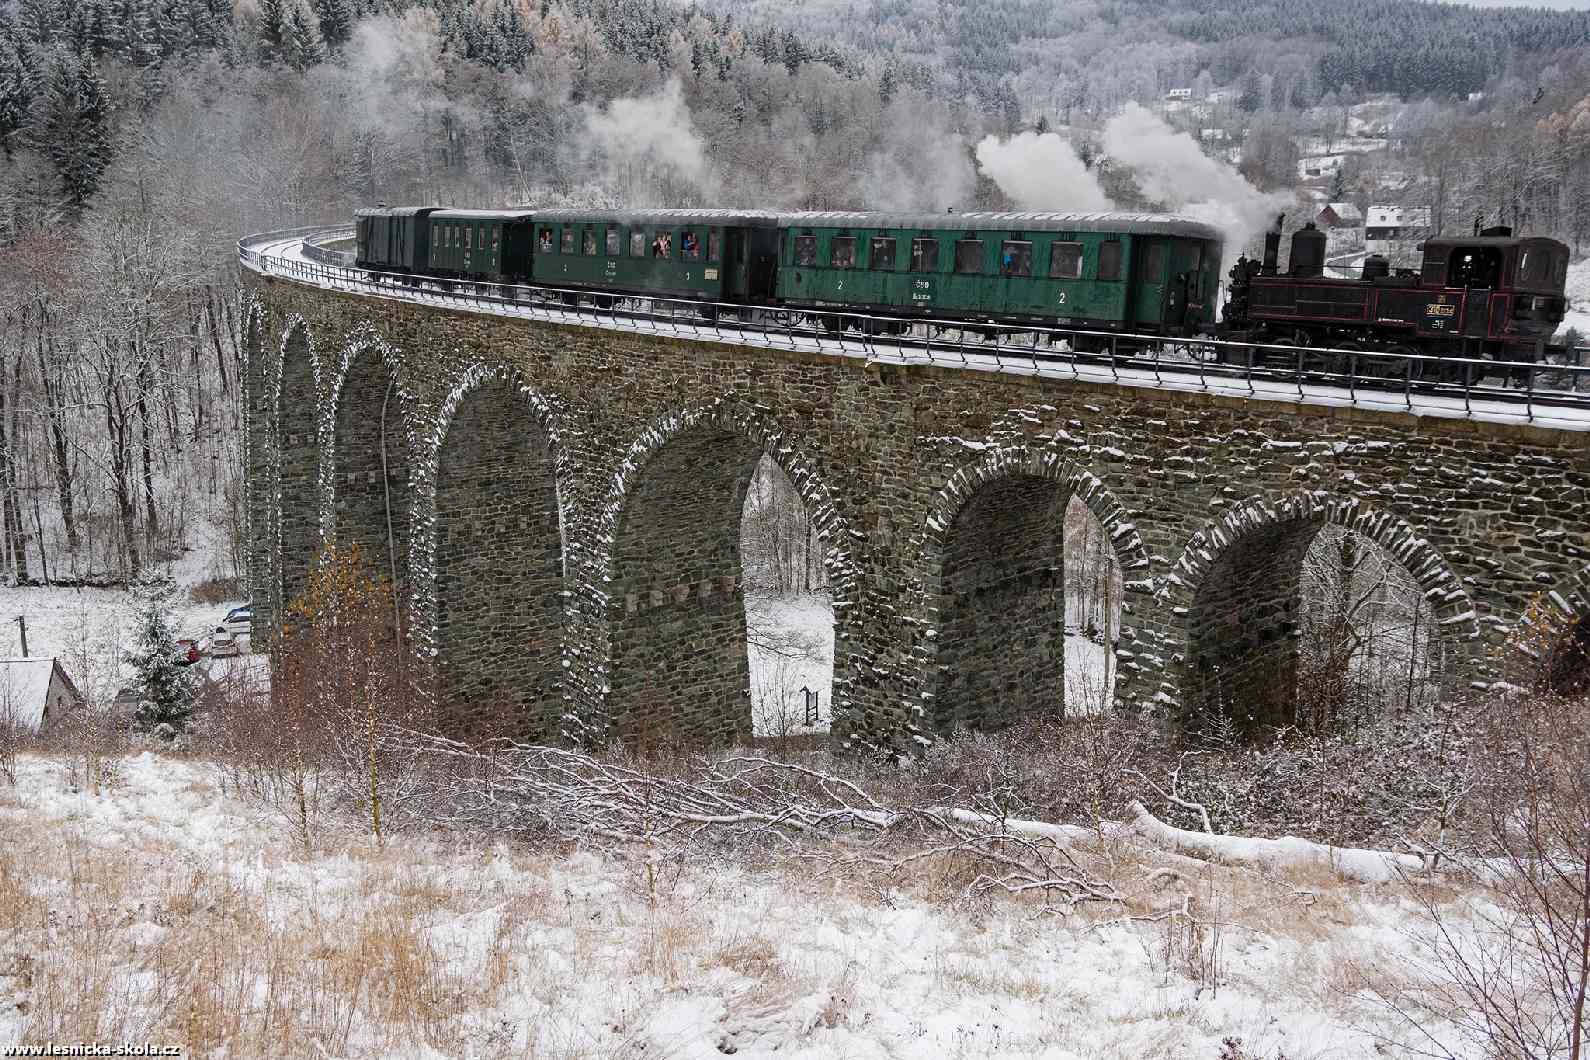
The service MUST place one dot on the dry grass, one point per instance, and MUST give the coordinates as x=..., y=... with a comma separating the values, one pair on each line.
x=112, y=927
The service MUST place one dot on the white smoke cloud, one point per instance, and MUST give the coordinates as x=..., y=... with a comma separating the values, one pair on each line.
x=649, y=150
x=918, y=165
x=1041, y=172
x=1172, y=168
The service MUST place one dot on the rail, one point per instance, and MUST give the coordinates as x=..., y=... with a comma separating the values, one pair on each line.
x=1556, y=390
x=316, y=248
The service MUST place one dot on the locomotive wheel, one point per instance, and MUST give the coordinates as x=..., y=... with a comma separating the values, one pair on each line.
x=1393, y=363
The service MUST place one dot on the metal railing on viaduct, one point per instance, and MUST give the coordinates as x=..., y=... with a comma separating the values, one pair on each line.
x=556, y=487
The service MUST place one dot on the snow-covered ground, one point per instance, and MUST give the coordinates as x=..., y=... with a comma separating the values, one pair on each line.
x=1578, y=291
x=163, y=909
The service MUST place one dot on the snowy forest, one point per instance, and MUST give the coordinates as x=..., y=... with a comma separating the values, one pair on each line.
x=140, y=138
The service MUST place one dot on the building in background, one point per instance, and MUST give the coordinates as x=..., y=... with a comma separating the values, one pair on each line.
x=1396, y=232
x=34, y=693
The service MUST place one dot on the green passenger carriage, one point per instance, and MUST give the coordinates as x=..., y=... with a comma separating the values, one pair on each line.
x=710, y=255
x=490, y=245
x=1109, y=271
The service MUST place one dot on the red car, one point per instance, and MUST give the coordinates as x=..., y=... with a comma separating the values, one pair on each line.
x=189, y=651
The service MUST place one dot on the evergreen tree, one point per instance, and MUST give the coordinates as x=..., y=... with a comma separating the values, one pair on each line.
x=886, y=85
x=14, y=95
x=73, y=131
x=168, y=688
x=273, y=30
x=336, y=21
x=303, y=40
x=128, y=32
x=1252, y=97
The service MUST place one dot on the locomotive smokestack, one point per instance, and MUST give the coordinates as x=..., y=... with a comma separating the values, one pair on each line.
x=1272, y=246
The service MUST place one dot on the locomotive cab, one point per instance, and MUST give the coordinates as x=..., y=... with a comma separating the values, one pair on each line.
x=1510, y=288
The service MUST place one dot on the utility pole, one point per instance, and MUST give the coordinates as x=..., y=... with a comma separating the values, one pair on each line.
x=22, y=628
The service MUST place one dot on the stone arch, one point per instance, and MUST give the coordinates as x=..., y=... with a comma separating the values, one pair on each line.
x=1236, y=592
x=994, y=588
x=297, y=438
x=257, y=434
x=677, y=663
x=488, y=560
x=369, y=460
x=1555, y=638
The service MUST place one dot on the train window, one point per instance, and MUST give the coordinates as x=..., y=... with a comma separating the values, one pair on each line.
x=469, y=238
x=568, y=240
x=1110, y=260
x=544, y=240
x=690, y=246
x=924, y=255
x=1477, y=268
x=496, y=237
x=615, y=244
x=637, y=243
x=1534, y=267
x=714, y=244
x=806, y=251
x=662, y=246
x=1154, y=263
x=1065, y=261
x=1015, y=258
x=881, y=253
x=842, y=253
x=969, y=256
x=1435, y=272
x=588, y=243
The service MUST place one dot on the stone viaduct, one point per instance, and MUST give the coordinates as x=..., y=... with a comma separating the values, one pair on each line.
x=561, y=503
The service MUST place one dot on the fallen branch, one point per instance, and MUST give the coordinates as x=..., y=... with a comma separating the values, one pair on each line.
x=750, y=802
x=1364, y=866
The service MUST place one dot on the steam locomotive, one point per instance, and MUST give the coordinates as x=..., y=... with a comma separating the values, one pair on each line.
x=1492, y=295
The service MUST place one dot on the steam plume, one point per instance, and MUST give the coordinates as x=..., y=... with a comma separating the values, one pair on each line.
x=1041, y=172
x=649, y=149
x=1171, y=168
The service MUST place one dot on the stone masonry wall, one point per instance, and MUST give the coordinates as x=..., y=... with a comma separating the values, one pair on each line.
x=498, y=573
x=365, y=486
x=1489, y=518
x=1001, y=638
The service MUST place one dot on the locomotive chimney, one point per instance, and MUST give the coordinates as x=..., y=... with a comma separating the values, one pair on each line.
x=1272, y=246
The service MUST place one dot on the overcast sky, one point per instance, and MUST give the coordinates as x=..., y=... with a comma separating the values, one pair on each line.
x=1558, y=5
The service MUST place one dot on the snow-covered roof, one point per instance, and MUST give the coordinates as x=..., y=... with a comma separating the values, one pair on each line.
x=1101, y=221
x=1347, y=211
x=25, y=689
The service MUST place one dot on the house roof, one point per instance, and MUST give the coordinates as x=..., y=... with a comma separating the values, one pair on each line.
x=25, y=688
x=1347, y=211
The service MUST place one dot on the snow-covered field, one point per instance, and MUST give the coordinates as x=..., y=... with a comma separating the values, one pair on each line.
x=164, y=909
x=90, y=630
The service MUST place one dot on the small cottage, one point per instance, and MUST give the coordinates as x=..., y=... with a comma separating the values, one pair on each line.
x=1340, y=215
x=34, y=692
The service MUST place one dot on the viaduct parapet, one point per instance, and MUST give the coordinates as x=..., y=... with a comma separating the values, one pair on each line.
x=560, y=505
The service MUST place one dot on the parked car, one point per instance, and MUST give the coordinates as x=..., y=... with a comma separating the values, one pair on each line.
x=189, y=650
x=222, y=643
x=240, y=620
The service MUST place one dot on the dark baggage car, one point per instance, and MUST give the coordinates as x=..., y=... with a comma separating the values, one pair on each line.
x=394, y=239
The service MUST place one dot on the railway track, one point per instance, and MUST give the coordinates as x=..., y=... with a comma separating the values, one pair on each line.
x=1555, y=393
